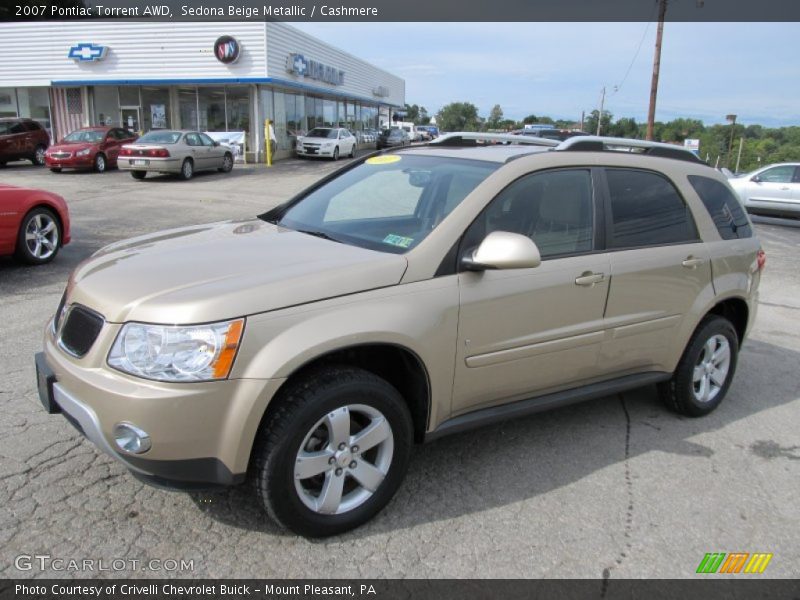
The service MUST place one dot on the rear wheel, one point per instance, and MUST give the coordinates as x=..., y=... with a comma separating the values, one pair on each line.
x=38, y=156
x=138, y=174
x=39, y=237
x=705, y=371
x=55, y=169
x=352, y=151
x=187, y=169
x=333, y=451
x=100, y=163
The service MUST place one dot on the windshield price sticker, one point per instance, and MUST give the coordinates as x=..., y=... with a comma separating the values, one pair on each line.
x=386, y=159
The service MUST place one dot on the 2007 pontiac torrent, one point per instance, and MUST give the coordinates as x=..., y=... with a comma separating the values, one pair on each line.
x=407, y=296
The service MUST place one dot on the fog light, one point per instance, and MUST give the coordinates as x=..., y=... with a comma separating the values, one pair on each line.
x=131, y=439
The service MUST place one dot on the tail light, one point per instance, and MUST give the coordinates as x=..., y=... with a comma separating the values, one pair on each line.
x=126, y=152
x=159, y=152
x=761, y=258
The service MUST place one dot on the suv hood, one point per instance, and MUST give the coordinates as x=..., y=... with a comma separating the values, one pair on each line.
x=223, y=270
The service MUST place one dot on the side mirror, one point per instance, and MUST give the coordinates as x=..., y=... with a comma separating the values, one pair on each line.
x=216, y=143
x=756, y=178
x=503, y=250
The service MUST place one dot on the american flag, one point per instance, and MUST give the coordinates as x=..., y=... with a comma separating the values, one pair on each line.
x=67, y=113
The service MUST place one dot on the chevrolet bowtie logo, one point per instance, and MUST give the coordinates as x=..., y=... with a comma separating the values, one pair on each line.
x=87, y=52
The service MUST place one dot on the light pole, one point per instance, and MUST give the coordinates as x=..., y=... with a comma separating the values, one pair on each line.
x=732, y=119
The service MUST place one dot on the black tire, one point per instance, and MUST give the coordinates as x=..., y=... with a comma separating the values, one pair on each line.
x=138, y=174
x=297, y=409
x=38, y=156
x=55, y=169
x=187, y=169
x=336, y=153
x=23, y=252
x=227, y=163
x=100, y=163
x=679, y=393
x=352, y=151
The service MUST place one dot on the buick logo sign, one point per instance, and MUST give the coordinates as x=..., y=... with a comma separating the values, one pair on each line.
x=227, y=50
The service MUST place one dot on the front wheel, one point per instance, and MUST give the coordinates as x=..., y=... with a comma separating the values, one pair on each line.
x=705, y=370
x=100, y=163
x=39, y=237
x=55, y=169
x=332, y=452
x=336, y=153
x=227, y=163
x=187, y=169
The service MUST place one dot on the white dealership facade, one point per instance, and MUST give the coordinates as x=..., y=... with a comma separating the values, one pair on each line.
x=211, y=76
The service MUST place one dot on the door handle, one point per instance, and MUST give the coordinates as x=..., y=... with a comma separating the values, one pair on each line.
x=692, y=263
x=588, y=279
x=785, y=188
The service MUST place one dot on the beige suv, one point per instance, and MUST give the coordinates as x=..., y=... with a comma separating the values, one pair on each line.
x=407, y=296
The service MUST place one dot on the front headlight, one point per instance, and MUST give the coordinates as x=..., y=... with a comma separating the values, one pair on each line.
x=177, y=353
x=83, y=152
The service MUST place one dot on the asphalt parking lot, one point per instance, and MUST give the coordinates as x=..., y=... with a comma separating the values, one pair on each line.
x=613, y=488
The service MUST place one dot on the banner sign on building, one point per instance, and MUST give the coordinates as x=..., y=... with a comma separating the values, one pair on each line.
x=233, y=139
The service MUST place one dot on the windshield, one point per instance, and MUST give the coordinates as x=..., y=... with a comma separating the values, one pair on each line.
x=389, y=202
x=320, y=132
x=160, y=137
x=90, y=135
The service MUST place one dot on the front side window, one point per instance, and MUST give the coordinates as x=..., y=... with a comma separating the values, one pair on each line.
x=388, y=203
x=781, y=174
x=553, y=208
x=205, y=140
x=322, y=132
x=724, y=208
x=646, y=210
x=91, y=136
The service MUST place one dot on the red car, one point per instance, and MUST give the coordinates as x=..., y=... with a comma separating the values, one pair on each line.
x=34, y=224
x=88, y=148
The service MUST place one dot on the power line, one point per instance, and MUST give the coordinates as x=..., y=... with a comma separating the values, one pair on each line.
x=618, y=87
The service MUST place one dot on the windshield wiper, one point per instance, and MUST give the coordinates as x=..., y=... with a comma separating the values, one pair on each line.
x=319, y=234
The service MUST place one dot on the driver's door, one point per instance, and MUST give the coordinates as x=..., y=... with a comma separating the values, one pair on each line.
x=524, y=332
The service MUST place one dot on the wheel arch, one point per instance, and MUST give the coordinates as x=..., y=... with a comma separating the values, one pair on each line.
x=735, y=310
x=399, y=365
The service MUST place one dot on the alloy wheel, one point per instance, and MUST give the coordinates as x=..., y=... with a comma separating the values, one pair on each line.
x=41, y=236
x=343, y=459
x=711, y=370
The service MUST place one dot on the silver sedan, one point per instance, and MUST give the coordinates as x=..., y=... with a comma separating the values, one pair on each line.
x=774, y=189
x=174, y=151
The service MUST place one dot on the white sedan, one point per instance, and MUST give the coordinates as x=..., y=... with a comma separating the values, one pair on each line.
x=770, y=190
x=327, y=141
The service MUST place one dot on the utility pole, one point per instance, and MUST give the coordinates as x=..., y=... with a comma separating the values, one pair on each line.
x=739, y=158
x=651, y=114
x=600, y=114
x=732, y=119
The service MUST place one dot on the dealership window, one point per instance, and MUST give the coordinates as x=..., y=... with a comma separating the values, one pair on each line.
x=211, y=102
x=106, y=105
x=8, y=102
x=279, y=119
x=155, y=108
x=237, y=101
x=34, y=103
x=187, y=107
x=329, y=113
x=313, y=112
x=129, y=95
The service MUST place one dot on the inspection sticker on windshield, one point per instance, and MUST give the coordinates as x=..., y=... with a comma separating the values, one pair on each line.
x=398, y=240
x=383, y=160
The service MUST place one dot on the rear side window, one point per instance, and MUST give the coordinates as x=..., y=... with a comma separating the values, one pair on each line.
x=723, y=206
x=32, y=126
x=646, y=210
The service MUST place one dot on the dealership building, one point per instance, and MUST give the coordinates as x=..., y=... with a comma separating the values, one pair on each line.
x=210, y=76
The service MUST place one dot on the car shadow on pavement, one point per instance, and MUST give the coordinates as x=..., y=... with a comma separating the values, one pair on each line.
x=518, y=460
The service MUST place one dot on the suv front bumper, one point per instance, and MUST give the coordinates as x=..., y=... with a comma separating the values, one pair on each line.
x=201, y=433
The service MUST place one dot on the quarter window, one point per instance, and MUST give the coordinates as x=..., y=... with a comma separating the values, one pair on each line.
x=723, y=206
x=553, y=208
x=646, y=210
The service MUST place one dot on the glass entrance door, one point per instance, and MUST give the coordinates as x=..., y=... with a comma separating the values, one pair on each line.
x=130, y=118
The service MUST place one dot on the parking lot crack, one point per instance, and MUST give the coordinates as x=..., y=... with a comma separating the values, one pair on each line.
x=627, y=529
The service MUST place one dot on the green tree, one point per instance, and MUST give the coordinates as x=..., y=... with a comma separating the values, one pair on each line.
x=458, y=116
x=590, y=124
x=495, y=116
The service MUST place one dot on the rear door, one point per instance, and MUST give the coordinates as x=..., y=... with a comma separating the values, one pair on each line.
x=523, y=332
x=659, y=268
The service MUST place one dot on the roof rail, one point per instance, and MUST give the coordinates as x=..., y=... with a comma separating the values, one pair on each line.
x=471, y=138
x=600, y=144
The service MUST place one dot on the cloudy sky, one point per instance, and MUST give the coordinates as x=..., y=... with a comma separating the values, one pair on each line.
x=708, y=70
